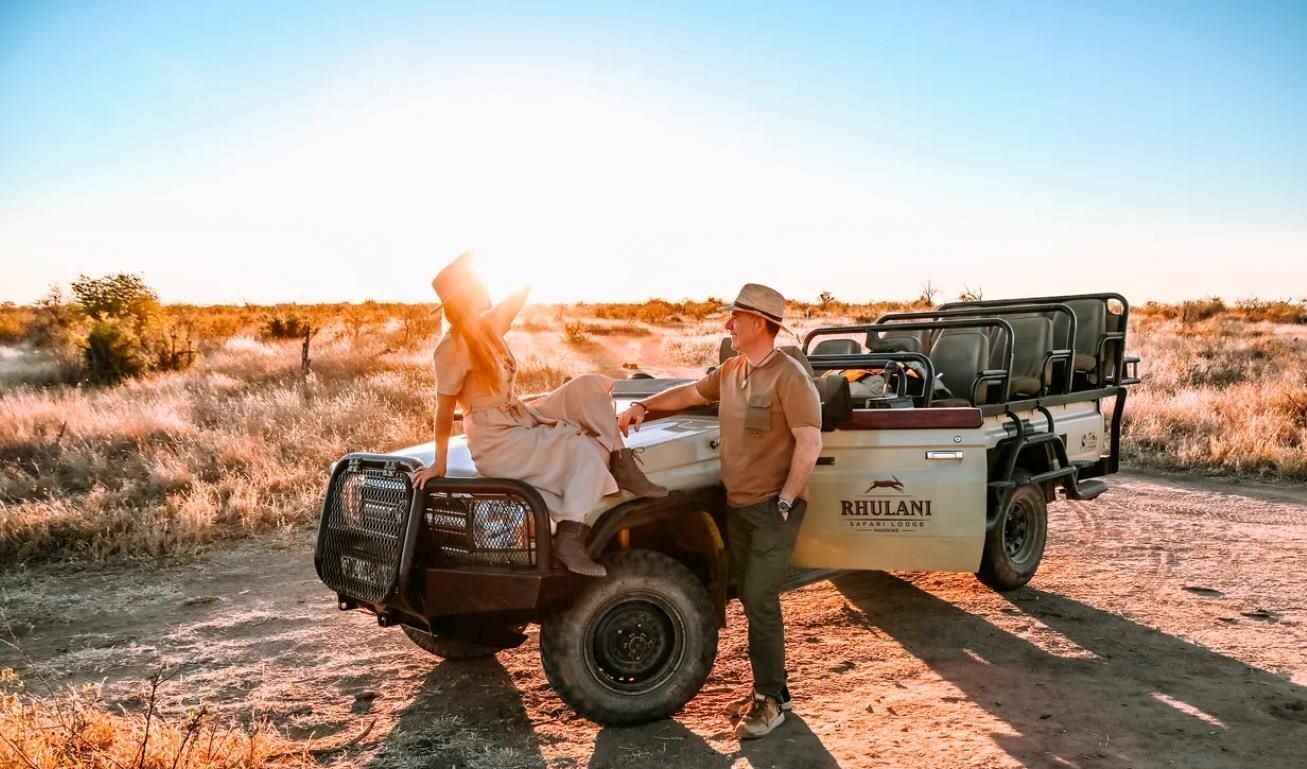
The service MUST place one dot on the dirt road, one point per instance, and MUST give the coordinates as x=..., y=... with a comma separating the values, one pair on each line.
x=1165, y=628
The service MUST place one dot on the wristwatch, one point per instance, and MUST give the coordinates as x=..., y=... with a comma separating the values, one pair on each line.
x=784, y=505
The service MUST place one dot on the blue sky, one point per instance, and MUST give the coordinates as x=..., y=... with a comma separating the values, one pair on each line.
x=341, y=151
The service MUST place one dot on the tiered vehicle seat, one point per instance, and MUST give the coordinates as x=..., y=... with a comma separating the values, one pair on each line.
x=1099, y=338
x=1032, y=343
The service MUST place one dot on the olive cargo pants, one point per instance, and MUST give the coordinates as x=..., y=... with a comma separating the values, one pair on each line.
x=760, y=546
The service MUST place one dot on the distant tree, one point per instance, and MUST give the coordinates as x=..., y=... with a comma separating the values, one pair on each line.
x=129, y=334
x=59, y=327
x=970, y=295
x=928, y=292
x=825, y=299
x=121, y=296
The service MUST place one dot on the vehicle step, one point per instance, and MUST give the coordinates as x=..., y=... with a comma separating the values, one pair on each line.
x=1090, y=488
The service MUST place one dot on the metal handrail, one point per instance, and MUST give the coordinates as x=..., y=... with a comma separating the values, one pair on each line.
x=935, y=325
x=1016, y=309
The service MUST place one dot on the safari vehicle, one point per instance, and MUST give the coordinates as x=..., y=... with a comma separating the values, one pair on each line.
x=945, y=435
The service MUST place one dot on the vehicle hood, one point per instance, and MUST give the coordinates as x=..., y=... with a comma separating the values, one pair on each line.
x=679, y=452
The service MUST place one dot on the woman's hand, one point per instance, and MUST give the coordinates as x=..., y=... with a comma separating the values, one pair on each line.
x=435, y=470
x=632, y=417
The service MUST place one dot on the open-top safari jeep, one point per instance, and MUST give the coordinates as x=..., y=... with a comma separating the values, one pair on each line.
x=945, y=435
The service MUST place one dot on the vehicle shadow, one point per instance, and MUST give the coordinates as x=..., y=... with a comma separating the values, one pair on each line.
x=669, y=743
x=445, y=722
x=1108, y=692
x=666, y=742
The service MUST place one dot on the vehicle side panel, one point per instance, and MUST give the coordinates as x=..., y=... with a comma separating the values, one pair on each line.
x=896, y=499
x=1080, y=424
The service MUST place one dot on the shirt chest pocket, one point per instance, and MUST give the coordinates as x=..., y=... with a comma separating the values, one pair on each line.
x=757, y=413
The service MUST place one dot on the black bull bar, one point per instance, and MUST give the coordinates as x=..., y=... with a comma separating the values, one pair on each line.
x=426, y=559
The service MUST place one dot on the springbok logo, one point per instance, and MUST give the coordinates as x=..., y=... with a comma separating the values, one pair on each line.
x=894, y=484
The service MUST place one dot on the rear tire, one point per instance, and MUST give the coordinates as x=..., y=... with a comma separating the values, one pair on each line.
x=449, y=648
x=636, y=645
x=1015, y=546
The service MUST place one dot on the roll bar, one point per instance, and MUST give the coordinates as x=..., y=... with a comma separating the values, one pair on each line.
x=1114, y=338
x=1003, y=375
x=1066, y=355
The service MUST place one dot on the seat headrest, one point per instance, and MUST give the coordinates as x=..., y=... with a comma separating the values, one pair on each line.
x=837, y=347
x=836, y=403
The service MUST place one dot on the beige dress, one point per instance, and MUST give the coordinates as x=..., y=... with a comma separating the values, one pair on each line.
x=549, y=443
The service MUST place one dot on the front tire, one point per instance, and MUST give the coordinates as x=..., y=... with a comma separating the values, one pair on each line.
x=1015, y=546
x=449, y=648
x=636, y=645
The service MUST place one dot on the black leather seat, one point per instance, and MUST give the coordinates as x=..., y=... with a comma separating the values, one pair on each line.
x=959, y=355
x=1033, y=337
x=836, y=404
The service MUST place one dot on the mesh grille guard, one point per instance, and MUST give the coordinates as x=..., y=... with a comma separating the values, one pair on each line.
x=483, y=527
x=365, y=526
x=375, y=531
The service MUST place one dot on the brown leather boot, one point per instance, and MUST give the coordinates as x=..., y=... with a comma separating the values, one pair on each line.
x=569, y=547
x=626, y=471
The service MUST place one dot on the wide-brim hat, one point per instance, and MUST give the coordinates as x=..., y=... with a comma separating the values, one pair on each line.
x=763, y=301
x=451, y=278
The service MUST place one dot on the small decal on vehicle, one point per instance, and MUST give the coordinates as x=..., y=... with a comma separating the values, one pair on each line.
x=892, y=483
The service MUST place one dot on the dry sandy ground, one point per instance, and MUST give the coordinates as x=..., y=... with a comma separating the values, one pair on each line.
x=1166, y=628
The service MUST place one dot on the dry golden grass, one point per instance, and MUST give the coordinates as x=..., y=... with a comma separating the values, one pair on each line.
x=1220, y=395
x=76, y=729
x=239, y=444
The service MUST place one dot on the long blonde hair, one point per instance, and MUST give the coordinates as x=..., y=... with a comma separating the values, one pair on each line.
x=480, y=344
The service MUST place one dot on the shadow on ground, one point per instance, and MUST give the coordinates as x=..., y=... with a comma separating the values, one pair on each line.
x=1106, y=703
x=470, y=715
x=466, y=714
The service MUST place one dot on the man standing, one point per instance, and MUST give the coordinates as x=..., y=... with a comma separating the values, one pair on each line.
x=770, y=417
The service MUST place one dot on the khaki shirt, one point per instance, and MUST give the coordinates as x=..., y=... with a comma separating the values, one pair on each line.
x=760, y=405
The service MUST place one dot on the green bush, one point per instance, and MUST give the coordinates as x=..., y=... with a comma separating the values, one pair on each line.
x=113, y=352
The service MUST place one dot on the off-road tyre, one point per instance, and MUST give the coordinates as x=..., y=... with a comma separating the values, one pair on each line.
x=636, y=645
x=1015, y=546
x=449, y=648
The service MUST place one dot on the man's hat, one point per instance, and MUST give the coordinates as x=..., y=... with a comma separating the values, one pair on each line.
x=762, y=301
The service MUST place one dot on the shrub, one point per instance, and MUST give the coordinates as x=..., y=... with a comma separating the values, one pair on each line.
x=1201, y=309
x=286, y=327
x=58, y=327
x=113, y=352
x=575, y=333
x=657, y=311
x=13, y=323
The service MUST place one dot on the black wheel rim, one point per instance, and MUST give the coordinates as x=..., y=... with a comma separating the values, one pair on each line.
x=635, y=643
x=1019, y=532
